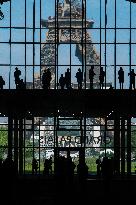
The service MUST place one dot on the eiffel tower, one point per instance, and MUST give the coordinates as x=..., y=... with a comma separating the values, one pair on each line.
x=68, y=26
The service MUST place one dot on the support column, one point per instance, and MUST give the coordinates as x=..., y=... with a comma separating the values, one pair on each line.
x=21, y=146
x=123, y=147
x=10, y=135
x=16, y=143
x=81, y=155
x=129, y=146
x=117, y=145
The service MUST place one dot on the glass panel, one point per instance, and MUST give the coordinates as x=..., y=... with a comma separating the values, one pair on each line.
x=3, y=153
x=75, y=159
x=28, y=160
x=133, y=160
x=3, y=136
x=47, y=161
x=69, y=141
x=91, y=154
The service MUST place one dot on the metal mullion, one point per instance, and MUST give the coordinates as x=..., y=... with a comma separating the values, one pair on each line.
x=57, y=42
x=55, y=50
x=100, y=33
x=33, y=135
x=10, y=46
x=130, y=44
x=105, y=38
x=85, y=41
x=63, y=65
x=105, y=135
x=54, y=130
x=40, y=38
x=39, y=147
x=115, y=47
x=33, y=40
x=24, y=141
x=25, y=43
x=84, y=116
x=70, y=40
x=82, y=39
x=31, y=28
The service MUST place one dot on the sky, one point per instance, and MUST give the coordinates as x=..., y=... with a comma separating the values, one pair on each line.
x=48, y=9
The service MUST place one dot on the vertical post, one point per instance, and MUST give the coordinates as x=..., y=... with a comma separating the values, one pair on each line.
x=81, y=155
x=129, y=146
x=117, y=144
x=16, y=143
x=21, y=146
x=123, y=147
x=10, y=131
x=105, y=135
x=56, y=155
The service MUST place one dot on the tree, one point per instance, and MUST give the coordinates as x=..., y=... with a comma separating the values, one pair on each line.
x=133, y=141
x=3, y=141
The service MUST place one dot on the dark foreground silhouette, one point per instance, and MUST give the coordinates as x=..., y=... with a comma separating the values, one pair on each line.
x=64, y=187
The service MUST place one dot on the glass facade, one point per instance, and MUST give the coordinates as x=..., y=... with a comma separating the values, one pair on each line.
x=68, y=45
x=36, y=34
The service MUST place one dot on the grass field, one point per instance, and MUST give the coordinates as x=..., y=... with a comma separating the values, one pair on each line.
x=90, y=161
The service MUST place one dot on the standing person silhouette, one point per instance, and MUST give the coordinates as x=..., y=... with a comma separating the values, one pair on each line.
x=44, y=86
x=98, y=162
x=48, y=75
x=132, y=78
x=62, y=81
x=121, y=77
x=68, y=78
x=2, y=82
x=91, y=76
x=46, y=79
x=79, y=76
x=17, y=74
x=101, y=77
x=34, y=166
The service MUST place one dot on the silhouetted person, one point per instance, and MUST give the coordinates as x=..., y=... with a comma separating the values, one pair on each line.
x=79, y=76
x=101, y=77
x=111, y=88
x=17, y=74
x=132, y=79
x=68, y=79
x=48, y=78
x=50, y=165
x=44, y=80
x=21, y=84
x=82, y=170
x=70, y=166
x=121, y=77
x=2, y=82
x=62, y=81
x=46, y=167
x=34, y=166
x=9, y=177
x=91, y=76
x=107, y=173
x=61, y=171
x=98, y=162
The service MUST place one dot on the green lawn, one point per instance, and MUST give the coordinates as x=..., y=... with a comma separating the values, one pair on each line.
x=90, y=161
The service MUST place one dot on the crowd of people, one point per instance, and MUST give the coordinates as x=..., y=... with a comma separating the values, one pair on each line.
x=105, y=167
x=64, y=168
x=65, y=79
x=8, y=169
